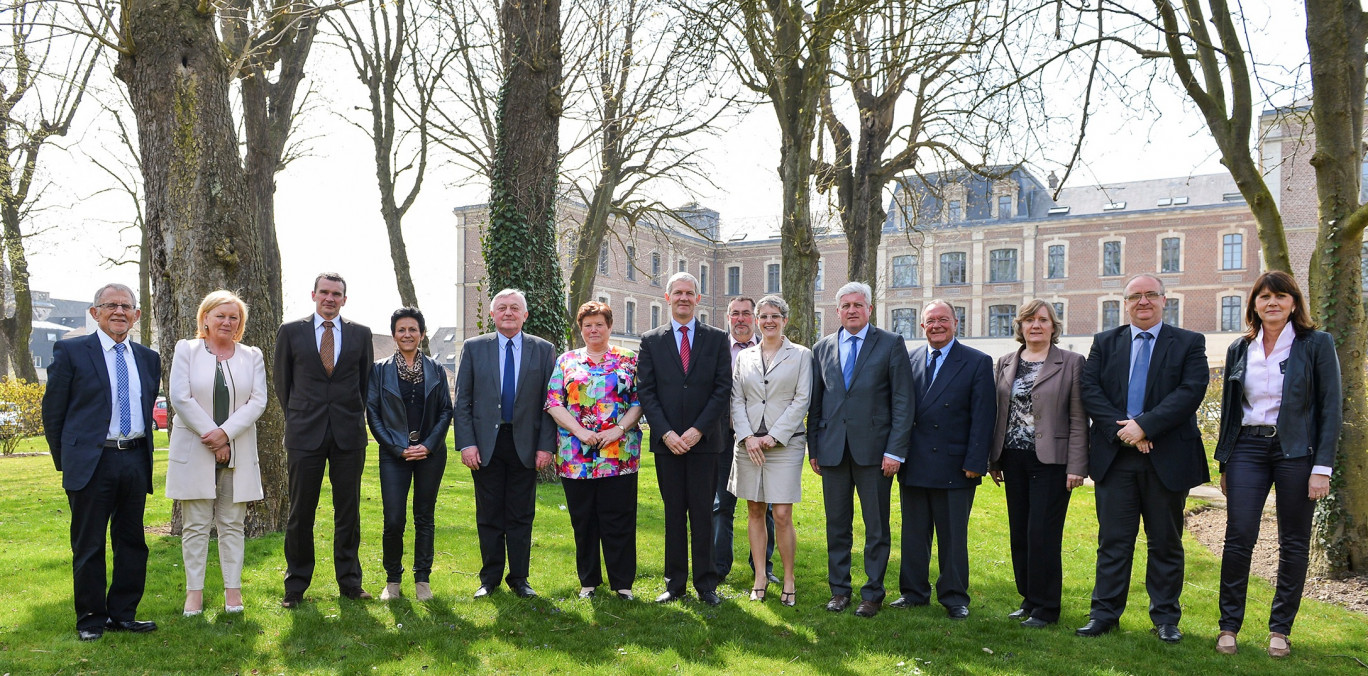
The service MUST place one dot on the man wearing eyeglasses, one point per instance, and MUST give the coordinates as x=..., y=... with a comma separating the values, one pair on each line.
x=1141, y=386
x=97, y=417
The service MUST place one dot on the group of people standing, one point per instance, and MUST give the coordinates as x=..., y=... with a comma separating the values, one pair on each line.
x=731, y=415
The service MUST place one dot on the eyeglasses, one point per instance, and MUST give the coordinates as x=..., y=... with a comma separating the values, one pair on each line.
x=1150, y=296
x=117, y=306
x=938, y=320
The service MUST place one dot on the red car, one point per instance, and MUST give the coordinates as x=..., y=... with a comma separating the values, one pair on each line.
x=159, y=414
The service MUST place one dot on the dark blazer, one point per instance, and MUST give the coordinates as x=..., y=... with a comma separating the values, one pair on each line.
x=1061, y=424
x=1310, y=415
x=674, y=400
x=388, y=415
x=478, y=382
x=954, y=420
x=1174, y=388
x=76, y=406
x=315, y=402
x=875, y=415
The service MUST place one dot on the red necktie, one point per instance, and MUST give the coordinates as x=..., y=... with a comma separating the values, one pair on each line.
x=684, y=349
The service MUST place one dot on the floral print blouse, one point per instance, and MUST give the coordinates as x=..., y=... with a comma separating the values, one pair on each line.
x=597, y=395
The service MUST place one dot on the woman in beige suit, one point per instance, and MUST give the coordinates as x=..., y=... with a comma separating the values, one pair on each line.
x=217, y=390
x=770, y=388
x=1040, y=448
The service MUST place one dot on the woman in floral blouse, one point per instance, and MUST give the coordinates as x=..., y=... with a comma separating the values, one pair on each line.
x=592, y=396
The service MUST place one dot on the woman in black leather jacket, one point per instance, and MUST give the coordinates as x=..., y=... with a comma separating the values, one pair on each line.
x=408, y=406
x=1280, y=424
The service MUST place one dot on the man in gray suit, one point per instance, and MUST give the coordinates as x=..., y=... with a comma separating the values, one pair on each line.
x=505, y=436
x=859, y=423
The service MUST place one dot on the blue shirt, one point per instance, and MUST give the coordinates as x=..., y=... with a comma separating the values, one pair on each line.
x=844, y=343
x=1134, y=331
x=503, y=355
x=693, y=333
x=933, y=369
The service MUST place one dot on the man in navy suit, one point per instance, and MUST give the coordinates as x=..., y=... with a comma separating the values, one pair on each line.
x=97, y=416
x=956, y=411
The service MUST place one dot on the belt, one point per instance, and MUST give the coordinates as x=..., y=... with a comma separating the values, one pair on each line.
x=1264, y=431
x=125, y=444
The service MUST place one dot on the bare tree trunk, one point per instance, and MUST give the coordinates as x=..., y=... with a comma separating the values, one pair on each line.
x=19, y=327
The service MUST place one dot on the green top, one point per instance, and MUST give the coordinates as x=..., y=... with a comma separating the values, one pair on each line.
x=220, y=402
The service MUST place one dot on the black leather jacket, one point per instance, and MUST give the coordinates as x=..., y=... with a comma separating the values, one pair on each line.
x=389, y=419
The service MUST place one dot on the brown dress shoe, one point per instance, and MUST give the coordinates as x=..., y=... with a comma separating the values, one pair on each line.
x=1225, y=643
x=1278, y=645
x=292, y=600
x=838, y=603
x=356, y=594
x=868, y=608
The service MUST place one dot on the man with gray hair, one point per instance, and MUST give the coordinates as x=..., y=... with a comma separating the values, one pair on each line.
x=858, y=424
x=505, y=436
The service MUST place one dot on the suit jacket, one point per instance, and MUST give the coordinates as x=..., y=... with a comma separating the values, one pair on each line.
x=1061, y=424
x=872, y=417
x=954, y=422
x=675, y=400
x=314, y=401
x=778, y=397
x=478, y=385
x=1174, y=388
x=190, y=468
x=388, y=414
x=77, y=406
x=1310, y=414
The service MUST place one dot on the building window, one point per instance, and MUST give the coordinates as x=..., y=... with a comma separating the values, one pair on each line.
x=631, y=263
x=952, y=268
x=955, y=212
x=1232, y=252
x=772, y=278
x=630, y=324
x=1170, y=250
x=734, y=280
x=904, y=271
x=1004, y=207
x=1111, y=259
x=655, y=269
x=603, y=259
x=703, y=278
x=1230, y=312
x=1002, y=265
x=683, y=265
x=1054, y=256
x=1111, y=314
x=655, y=316
x=1059, y=314
x=1000, y=320
x=1170, y=316
x=817, y=322
x=963, y=319
x=821, y=270
x=905, y=322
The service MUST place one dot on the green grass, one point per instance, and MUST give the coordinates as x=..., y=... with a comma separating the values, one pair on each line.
x=559, y=633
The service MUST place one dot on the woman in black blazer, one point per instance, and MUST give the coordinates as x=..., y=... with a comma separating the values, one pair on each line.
x=409, y=409
x=1280, y=423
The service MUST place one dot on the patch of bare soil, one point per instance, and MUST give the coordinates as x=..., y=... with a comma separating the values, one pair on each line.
x=1208, y=526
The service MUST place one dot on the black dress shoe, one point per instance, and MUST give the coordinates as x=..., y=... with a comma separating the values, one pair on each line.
x=292, y=600
x=957, y=612
x=710, y=597
x=772, y=577
x=1095, y=628
x=523, y=590
x=137, y=626
x=90, y=634
x=838, y=603
x=906, y=601
x=356, y=594
x=1168, y=633
x=669, y=597
x=1035, y=623
x=1018, y=614
x=868, y=608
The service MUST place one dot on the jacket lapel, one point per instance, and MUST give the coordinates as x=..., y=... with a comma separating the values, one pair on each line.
x=526, y=365
x=96, y=353
x=862, y=358
x=431, y=376
x=1121, y=353
x=391, y=383
x=784, y=353
x=918, y=358
x=952, y=364
x=1157, y=358
x=1054, y=364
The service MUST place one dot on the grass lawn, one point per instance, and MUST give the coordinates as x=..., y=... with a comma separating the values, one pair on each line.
x=559, y=633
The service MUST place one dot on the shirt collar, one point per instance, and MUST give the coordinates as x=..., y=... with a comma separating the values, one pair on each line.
x=318, y=321
x=1284, y=339
x=861, y=334
x=503, y=340
x=945, y=351
x=693, y=324
x=107, y=342
x=735, y=342
x=1153, y=330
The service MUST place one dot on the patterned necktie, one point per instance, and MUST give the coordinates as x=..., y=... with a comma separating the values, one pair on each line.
x=684, y=349
x=931, y=362
x=325, y=347
x=1135, y=394
x=121, y=383
x=849, y=370
x=509, y=385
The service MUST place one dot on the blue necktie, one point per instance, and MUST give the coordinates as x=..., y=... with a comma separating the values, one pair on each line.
x=1135, y=394
x=121, y=383
x=506, y=401
x=931, y=361
x=849, y=370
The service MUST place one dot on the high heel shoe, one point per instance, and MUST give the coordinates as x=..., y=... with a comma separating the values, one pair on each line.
x=197, y=610
x=229, y=608
x=758, y=594
x=788, y=598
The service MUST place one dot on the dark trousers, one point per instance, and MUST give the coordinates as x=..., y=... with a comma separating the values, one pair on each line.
x=305, y=469
x=1037, y=503
x=114, y=499
x=687, y=485
x=1256, y=464
x=724, y=520
x=603, y=514
x=944, y=514
x=1130, y=493
x=505, y=503
x=840, y=483
x=425, y=477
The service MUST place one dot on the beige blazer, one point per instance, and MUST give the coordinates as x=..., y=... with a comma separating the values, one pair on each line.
x=778, y=397
x=1061, y=425
x=190, y=472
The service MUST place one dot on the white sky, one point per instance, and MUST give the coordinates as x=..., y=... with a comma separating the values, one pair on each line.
x=327, y=204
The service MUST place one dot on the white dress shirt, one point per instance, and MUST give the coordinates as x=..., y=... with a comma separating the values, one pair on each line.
x=1263, y=383
x=337, y=335
x=137, y=428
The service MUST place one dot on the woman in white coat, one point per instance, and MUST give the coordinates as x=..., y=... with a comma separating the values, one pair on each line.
x=217, y=391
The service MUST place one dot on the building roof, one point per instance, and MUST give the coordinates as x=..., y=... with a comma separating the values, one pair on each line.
x=1161, y=193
